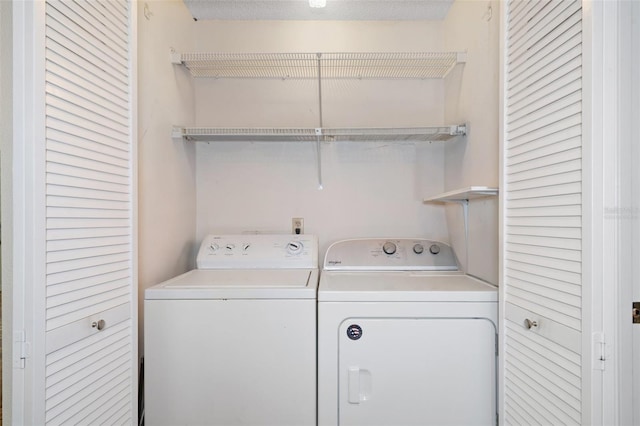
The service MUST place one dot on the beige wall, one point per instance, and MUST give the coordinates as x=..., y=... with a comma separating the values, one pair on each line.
x=472, y=95
x=370, y=189
x=166, y=169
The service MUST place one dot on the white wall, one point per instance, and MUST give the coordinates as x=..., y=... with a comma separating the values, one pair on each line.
x=471, y=95
x=370, y=189
x=166, y=169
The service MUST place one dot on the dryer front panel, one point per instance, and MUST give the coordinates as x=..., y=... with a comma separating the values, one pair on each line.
x=417, y=371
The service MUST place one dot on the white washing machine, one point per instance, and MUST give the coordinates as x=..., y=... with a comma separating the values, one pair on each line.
x=404, y=338
x=233, y=342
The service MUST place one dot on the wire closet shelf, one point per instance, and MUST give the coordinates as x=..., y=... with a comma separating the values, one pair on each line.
x=320, y=67
x=415, y=134
x=378, y=65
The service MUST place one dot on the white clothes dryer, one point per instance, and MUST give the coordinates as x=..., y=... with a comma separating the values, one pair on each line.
x=404, y=337
x=233, y=342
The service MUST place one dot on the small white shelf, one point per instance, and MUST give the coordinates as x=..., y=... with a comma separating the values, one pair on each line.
x=463, y=195
x=365, y=65
x=413, y=134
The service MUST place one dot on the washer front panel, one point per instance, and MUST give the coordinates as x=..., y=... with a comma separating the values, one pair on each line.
x=230, y=362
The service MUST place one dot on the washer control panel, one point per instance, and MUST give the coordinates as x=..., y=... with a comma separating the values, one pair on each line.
x=258, y=251
x=390, y=254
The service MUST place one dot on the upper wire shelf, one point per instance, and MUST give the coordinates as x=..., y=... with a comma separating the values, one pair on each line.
x=392, y=65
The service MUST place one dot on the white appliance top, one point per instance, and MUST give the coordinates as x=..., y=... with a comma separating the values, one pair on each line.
x=258, y=251
x=256, y=266
x=391, y=254
x=397, y=270
x=238, y=284
x=340, y=286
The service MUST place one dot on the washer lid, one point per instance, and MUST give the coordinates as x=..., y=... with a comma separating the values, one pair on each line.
x=238, y=284
x=407, y=286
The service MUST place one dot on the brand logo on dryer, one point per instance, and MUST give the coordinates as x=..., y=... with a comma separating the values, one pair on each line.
x=334, y=262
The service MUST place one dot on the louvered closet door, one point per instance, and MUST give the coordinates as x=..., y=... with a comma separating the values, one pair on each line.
x=89, y=214
x=542, y=216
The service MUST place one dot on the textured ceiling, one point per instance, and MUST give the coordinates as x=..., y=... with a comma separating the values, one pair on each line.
x=342, y=10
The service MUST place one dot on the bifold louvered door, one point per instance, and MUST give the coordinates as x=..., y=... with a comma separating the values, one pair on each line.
x=90, y=300
x=542, y=187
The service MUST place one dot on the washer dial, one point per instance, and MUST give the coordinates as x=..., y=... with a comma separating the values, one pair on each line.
x=295, y=247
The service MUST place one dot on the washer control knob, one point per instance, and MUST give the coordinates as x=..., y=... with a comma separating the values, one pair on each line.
x=295, y=247
x=434, y=249
x=418, y=249
x=214, y=247
x=230, y=247
x=389, y=248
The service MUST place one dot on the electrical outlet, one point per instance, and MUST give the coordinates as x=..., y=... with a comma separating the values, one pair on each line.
x=297, y=225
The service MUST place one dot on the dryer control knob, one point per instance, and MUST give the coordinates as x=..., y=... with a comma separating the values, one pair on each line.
x=434, y=249
x=418, y=249
x=389, y=247
x=295, y=247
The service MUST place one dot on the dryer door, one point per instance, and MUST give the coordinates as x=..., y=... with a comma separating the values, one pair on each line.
x=408, y=371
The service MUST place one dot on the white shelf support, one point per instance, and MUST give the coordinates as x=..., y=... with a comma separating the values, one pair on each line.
x=459, y=130
x=175, y=57
x=464, y=194
x=462, y=197
x=177, y=133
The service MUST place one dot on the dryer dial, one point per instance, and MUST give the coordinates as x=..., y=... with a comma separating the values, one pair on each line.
x=418, y=249
x=389, y=248
x=434, y=249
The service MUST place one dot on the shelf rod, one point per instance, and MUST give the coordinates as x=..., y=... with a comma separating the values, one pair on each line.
x=319, y=129
x=319, y=55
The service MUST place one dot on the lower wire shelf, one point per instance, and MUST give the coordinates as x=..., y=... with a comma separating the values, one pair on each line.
x=410, y=134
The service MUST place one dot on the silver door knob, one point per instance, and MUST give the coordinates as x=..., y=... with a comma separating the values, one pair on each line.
x=99, y=324
x=530, y=324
